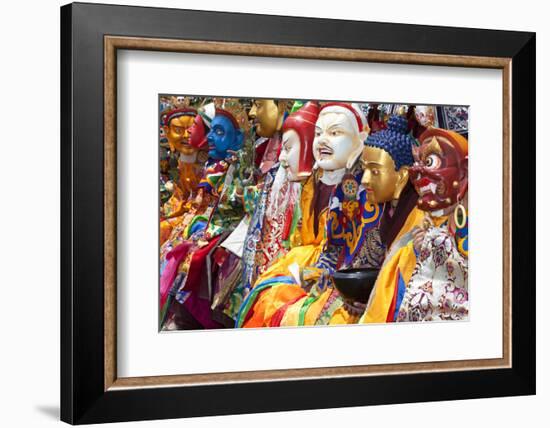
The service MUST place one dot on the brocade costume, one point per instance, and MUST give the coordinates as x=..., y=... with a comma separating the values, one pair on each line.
x=352, y=240
x=278, y=284
x=425, y=286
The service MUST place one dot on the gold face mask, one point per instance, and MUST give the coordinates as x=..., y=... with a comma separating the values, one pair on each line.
x=177, y=133
x=380, y=179
x=267, y=116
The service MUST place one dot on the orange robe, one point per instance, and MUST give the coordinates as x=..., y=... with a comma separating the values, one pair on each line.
x=279, y=284
x=314, y=303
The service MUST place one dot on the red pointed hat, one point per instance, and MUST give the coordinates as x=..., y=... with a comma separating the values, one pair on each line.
x=303, y=122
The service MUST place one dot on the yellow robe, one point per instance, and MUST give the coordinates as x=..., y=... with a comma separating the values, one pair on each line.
x=306, y=245
x=398, y=266
x=341, y=315
x=305, y=252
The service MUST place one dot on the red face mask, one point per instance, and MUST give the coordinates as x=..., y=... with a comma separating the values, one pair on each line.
x=439, y=174
x=197, y=132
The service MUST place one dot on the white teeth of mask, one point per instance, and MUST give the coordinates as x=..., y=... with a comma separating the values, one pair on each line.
x=433, y=187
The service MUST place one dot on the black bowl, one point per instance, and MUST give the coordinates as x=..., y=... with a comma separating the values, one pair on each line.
x=355, y=284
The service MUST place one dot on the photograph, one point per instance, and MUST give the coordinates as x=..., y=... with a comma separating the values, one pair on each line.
x=290, y=212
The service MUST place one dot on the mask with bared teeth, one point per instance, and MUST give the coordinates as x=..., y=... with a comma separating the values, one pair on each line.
x=440, y=171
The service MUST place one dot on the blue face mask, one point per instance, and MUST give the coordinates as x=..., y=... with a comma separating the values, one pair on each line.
x=223, y=137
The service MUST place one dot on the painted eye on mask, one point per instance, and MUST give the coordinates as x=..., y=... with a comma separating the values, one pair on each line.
x=220, y=132
x=335, y=132
x=432, y=161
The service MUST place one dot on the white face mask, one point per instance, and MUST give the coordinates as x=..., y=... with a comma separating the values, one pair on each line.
x=290, y=154
x=337, y=143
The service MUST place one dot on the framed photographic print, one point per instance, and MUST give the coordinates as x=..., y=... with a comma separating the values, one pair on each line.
x=275, y=213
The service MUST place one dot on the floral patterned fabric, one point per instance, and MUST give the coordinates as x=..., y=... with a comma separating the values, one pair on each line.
x=438, y=288
x=254, y=235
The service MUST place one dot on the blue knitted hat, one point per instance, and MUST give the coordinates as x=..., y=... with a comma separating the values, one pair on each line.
x=395, y=140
